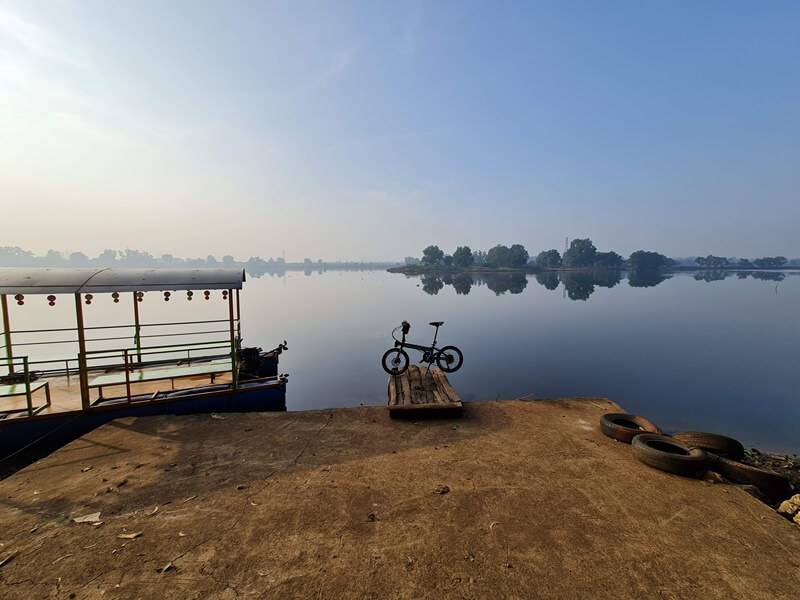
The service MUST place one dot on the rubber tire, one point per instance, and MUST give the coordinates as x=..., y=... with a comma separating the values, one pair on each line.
x=773, y=485
x=720, y=445
x=447, y=368
x=402, y=353
x=623, y=427
x=682, y=460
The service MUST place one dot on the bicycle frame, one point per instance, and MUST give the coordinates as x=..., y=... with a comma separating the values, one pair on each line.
x=428, y=352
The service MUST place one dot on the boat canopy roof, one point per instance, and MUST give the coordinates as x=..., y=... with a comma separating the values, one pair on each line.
x=16, y=280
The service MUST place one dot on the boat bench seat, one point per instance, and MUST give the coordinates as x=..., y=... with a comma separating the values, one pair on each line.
x=211, y=368
x=18, y=389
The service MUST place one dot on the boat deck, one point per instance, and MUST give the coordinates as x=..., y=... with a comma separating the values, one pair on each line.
x=65, y=392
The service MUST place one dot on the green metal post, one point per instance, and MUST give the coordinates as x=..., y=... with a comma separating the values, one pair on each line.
x=27, y=385
x=7, y=333
x=127, y=377
x=137, y=337
x=238, y=320
x=234, y=366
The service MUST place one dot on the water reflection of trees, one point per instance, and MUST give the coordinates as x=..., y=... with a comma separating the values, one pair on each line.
x=646, y=278
x=500, y=283
x=548, y=279
x=578, y=285
x=711, y=275
x=462, y=283
x=768, y=275
x=431, y=284
x=719, y=275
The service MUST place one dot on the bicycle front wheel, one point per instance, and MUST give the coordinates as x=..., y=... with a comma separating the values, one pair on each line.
x=450, y=359
x=395, y=361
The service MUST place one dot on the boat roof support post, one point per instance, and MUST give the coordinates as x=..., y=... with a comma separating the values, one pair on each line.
x=238, y=319
x=234, y=366
x=137, y=336
x=82, y=367
x=7, y=332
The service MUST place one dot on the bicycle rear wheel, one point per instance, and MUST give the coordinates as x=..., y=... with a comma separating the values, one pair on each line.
x=395, y=361
x=450, y=359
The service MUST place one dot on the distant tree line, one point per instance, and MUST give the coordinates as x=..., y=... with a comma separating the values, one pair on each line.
x=499, y=256
x=720, y=262
x=581, y=254
x=14, y=256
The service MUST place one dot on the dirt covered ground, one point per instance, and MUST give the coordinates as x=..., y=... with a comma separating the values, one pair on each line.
x=514, y=500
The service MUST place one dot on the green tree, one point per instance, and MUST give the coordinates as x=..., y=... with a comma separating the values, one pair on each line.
x=432, y=256
x=499, y=256
x=770, y=262
x=608, y=260
x=78, y=259
x=648, y=261
x=107, y=258
x=54, y=258
x=549, y=259
x=581, y=253
x=712, y=262
x=463, y=257
x=518, y=256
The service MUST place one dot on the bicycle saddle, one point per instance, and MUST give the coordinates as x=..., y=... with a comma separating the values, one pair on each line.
x=437, y=323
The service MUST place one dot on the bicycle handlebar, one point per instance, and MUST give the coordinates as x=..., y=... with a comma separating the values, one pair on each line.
x=405, y=326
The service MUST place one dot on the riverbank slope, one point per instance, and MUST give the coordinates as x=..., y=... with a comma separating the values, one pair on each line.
x=515, y=499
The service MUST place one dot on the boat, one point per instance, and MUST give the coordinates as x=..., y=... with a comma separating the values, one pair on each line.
x=132, y=368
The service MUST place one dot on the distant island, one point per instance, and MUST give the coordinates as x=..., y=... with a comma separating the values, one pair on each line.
x=581, y=255
x=14, y=256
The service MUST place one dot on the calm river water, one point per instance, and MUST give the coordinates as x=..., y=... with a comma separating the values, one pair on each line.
x=718, y=355
x=688, y=353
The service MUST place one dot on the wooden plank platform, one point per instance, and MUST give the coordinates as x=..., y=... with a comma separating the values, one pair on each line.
x=422, y=391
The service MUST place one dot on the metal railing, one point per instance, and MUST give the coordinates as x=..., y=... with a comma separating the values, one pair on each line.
x=26, y=376
x=125, y=355
x=69, y=365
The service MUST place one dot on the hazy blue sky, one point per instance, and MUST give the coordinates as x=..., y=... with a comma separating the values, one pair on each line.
x=367, y=130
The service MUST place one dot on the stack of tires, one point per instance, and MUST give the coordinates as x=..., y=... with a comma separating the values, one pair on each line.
x=691, y=453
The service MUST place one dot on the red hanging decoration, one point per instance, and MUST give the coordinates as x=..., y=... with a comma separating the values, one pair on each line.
x=166, y=296
x=139, y=296
x=189, y=294
x=89, y=298
x=207, y=294
x=224, y=294
x=115, y=296
x=51, y=300
x=20, y=299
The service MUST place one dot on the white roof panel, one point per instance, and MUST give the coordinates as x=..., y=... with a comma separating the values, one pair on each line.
x=14, y=280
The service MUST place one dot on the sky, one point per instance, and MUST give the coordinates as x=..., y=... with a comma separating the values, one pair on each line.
x=369, y=130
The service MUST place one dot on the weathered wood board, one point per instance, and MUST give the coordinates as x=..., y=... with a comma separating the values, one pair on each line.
x=422, y=390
